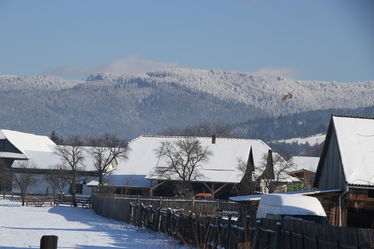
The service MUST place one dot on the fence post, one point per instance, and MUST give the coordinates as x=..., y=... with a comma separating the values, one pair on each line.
x=257, y=234
x=278, y=235
x=131, y=220
x=208, y=231
x=218, y=239
x=48, y=242
x=158, y=219
x=229, y=233
x=168, y=221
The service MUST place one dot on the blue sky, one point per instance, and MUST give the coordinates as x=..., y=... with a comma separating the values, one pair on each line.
x=305, y=39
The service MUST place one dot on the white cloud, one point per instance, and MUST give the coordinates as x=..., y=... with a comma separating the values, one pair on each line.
x=287, y=72
x=128, y=65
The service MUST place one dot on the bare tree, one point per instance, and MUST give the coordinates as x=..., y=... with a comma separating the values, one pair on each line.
x=24, y=179
x=72, y=157
x=182, y=161
x=272, y=171
x=58, y=177
x=106, y=151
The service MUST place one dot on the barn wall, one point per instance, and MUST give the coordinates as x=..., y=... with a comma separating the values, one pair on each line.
x=332, y=176
x=41, y=186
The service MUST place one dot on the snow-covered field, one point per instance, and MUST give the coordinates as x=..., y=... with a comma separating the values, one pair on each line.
x=311, y=140
x=22, y=227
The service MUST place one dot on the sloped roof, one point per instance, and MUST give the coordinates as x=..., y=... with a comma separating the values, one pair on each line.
x=355, y=140
x=221, y=166
x=38, y=149
x=304, y=162
x=355, y=137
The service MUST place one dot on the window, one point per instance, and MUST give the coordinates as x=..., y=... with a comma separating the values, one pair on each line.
x=371, y=193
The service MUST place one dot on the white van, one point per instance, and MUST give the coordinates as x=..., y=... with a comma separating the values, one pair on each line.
x=288, y=206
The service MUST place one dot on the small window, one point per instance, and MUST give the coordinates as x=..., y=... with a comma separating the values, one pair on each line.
x=371, y=193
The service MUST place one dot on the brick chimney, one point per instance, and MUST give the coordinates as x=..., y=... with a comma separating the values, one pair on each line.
x=213, y=139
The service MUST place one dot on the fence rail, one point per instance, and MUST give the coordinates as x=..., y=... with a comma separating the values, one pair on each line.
x=195, y=205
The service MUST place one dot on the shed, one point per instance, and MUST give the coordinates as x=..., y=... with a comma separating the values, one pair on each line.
x=347, y=163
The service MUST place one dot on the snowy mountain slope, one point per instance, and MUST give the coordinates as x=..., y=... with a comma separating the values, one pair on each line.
x=259, y=91
x=13, y=82
x=148, y=103
x=311, y=140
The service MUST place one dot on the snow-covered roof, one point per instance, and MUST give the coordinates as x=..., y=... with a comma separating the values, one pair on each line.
x=222, y=165
x=355, y=137
x=304, y=163
x=39, y=150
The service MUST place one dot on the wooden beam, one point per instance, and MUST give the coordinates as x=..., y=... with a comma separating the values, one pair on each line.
x=151, y=189
x=214, y=191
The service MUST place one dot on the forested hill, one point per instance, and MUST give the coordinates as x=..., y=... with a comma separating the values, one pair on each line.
x=130, y=105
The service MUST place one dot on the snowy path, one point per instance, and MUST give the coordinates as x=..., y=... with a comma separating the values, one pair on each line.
x=22, y=227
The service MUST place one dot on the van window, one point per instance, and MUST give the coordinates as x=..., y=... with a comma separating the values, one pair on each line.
x=311, y=218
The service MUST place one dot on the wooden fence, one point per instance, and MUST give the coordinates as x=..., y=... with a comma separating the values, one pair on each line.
x=205, y=231
x=192, y=204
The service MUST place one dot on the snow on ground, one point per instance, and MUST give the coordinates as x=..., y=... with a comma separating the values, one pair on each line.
x=312, y=140
x=22, y=227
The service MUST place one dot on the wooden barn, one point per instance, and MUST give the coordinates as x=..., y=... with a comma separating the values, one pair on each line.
x=39, y=153
x=347, y=164
x=218, y=176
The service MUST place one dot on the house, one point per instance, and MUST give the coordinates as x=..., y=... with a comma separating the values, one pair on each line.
x=219, y=175
x=39, y=152
x=347, y=164
x=304, y=169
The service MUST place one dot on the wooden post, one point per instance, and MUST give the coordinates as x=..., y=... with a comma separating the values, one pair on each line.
x=278, y=234
x=48, y=242
x=218, y=232
x=257, y=234
x=159, y=219
x=228, y=245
